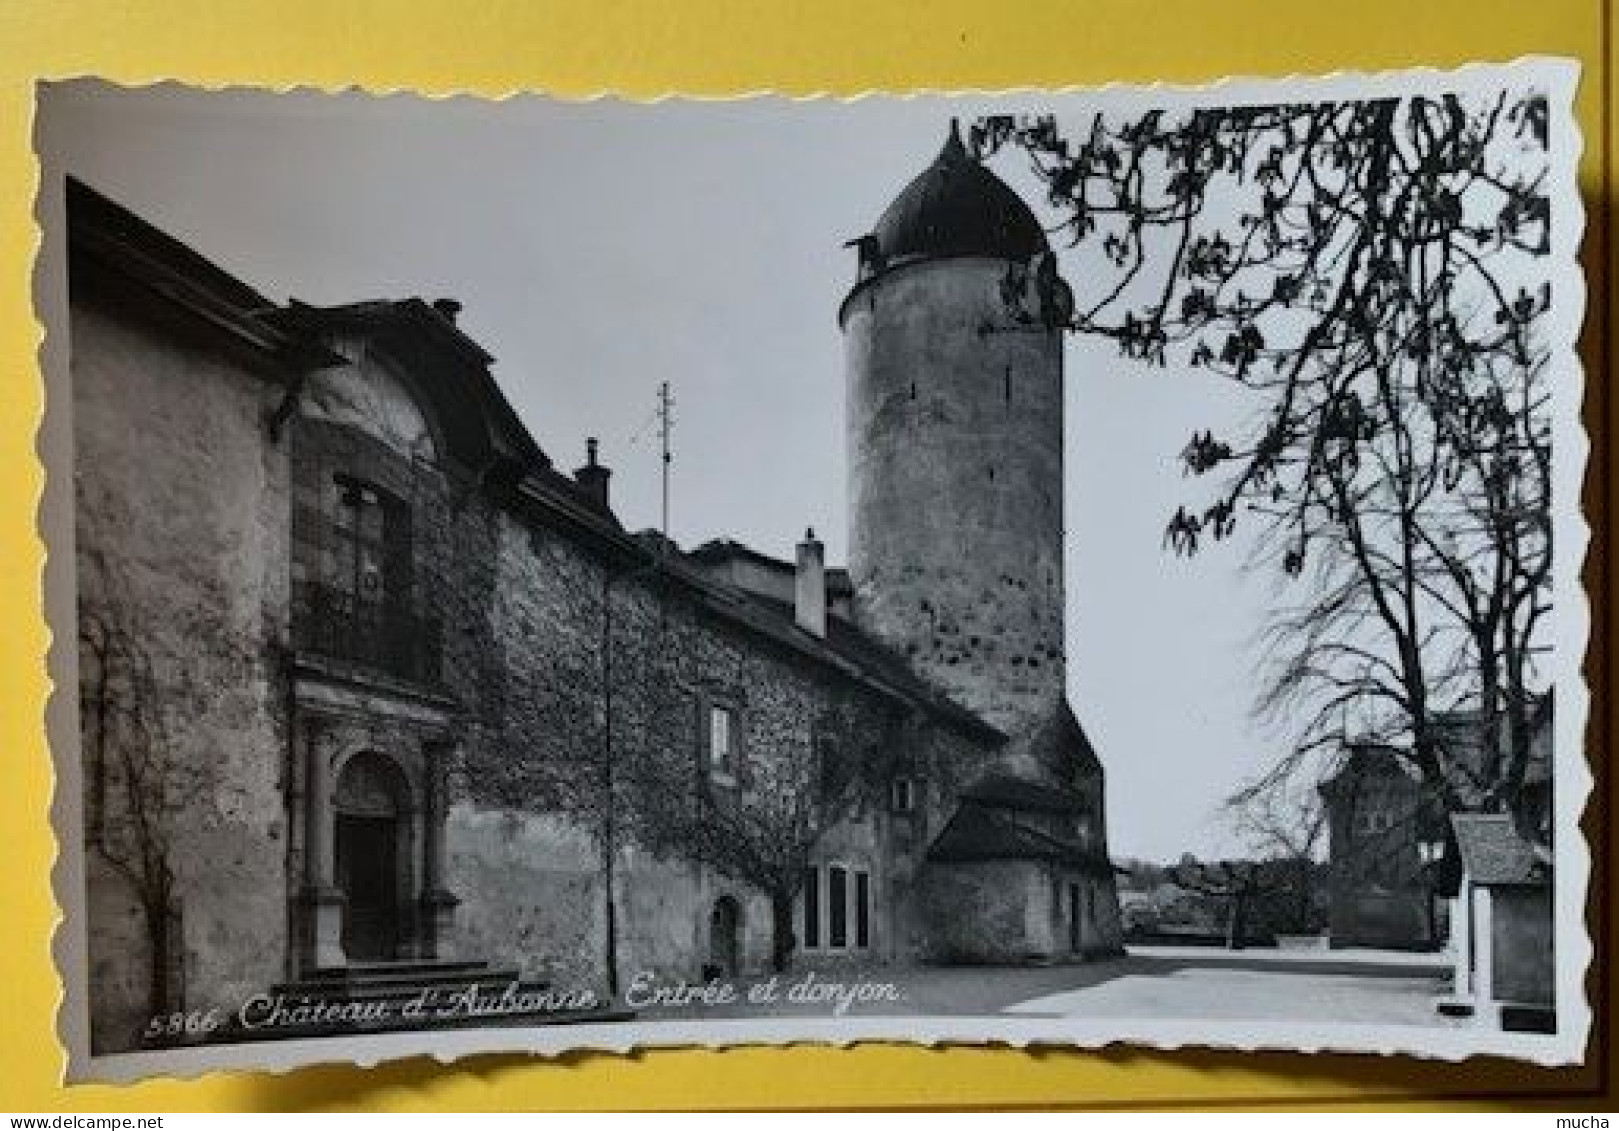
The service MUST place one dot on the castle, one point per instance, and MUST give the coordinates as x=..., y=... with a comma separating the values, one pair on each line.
x=374, y=694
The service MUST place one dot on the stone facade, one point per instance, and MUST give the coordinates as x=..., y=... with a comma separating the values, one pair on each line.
x=1379, y=817
x=1380, y=894
x=1504, y=946
x=181, y=548
x=955, y=410
x=426, y=704
x=955, y=426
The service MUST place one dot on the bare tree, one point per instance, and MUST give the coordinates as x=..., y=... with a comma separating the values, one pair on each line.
x=1238, y=884
x=1286, y=828
x=143, y=786
x=1373, y=276
x=761, y=822
x=130, y=810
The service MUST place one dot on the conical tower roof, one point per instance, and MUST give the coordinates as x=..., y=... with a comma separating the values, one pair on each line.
x=958, y=207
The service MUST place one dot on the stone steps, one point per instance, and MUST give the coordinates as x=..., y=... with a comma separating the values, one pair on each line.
x=397, y=982
x=368, y=979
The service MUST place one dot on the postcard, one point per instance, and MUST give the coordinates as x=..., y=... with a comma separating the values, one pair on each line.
x=1048, y=567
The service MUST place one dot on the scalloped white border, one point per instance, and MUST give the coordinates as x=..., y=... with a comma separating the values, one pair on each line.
x=1558, y=77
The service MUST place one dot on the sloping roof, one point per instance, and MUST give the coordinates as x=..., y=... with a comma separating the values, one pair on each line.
x=415, y=310
x=957, y=207
x=719, y=551
x=466, y=398
x=1010, y=792
x=110, y=245
x=847, y=645
x=1367, y=762
x=1057, y=741
x=979, y=833
x=1493, y=852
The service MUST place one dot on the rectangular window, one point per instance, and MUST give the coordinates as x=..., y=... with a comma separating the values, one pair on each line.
x=902, y=795
x=837, y=907
x=721, y=744
x=361, y=561
x=862, y=910
x=812, y=908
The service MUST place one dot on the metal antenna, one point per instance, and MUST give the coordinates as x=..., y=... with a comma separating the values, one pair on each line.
x=666, y=423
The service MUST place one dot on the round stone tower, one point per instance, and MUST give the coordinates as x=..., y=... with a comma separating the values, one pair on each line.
x=955, y=440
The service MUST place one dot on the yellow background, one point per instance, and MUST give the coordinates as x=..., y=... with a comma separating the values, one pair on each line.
x=715, y=48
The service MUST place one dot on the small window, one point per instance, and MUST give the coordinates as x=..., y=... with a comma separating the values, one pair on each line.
x=812, y=908
x=862, y=910
x=837, y=907
x=721, y=743
x=902, y=795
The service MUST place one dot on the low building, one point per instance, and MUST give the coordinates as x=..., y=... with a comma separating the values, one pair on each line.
x=1380, y=893
x=1390, y=861
x=1505, y=954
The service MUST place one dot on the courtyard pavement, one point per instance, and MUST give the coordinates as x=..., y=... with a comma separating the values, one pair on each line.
x=1154, y=983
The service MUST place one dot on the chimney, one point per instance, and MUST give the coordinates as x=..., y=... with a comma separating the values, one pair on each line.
x=809, y=593
x=592, y=478
x=448, y=309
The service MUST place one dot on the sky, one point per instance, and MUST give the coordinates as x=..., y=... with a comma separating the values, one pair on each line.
x=602, y=248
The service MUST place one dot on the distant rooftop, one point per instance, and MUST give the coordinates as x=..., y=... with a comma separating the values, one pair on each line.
x=1493, y=852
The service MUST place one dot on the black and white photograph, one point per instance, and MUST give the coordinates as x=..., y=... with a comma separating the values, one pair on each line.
x=1054, y=567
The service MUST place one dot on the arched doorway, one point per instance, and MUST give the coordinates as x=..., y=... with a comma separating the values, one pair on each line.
x=725, y=937
x=371, y=807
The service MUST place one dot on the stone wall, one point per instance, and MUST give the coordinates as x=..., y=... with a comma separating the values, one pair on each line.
x=578, y=644
x=1379, y=895
x=1522, y=945
x=182, y=505
x=1100, y=929
x=955, y=438
x=665, y=910
x=1015, y=911
x=990, y=911
x=532, y=893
